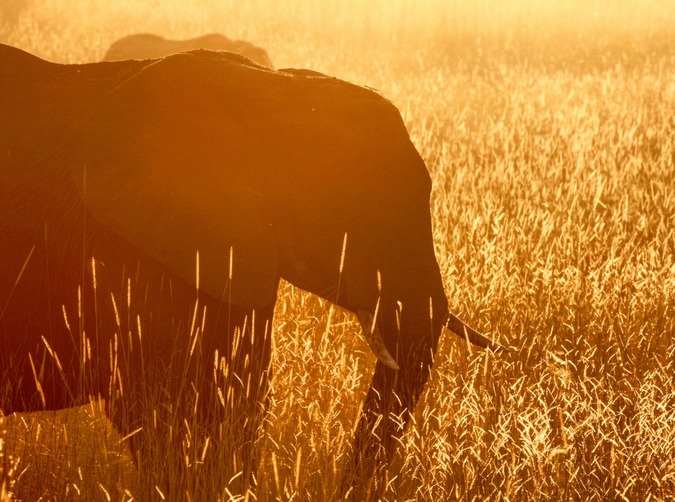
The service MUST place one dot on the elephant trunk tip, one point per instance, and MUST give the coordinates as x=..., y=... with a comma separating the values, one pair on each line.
x=463, y=330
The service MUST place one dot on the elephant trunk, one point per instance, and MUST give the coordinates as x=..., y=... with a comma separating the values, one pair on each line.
x=396, y=387
x=393, y=394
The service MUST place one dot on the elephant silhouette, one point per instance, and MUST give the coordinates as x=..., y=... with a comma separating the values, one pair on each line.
x=148, y=46
x=148, y=210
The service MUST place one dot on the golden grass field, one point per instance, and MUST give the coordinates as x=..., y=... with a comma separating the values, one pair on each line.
x=549, y=133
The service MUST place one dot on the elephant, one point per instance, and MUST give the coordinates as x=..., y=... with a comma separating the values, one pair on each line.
x=149, y=209
x=149, y=46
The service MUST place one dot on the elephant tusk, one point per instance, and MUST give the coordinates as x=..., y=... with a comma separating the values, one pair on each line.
x=374, y=339
x=463, y=330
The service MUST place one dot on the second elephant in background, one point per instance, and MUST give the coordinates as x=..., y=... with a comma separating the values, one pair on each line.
x=148, y=46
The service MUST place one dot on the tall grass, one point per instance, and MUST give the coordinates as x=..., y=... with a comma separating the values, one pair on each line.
x=549, y=134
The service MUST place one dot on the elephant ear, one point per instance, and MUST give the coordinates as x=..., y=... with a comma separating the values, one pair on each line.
x=166, y=171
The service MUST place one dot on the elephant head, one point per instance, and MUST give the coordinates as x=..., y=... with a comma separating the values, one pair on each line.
x=295, y=174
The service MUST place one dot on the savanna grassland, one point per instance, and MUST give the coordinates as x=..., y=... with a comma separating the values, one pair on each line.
x=549, y=132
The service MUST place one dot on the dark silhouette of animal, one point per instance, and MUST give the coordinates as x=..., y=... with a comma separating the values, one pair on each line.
x=148, y=46
x=148, y=210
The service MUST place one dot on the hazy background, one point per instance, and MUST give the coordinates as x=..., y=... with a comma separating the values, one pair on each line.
x=296, y=33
